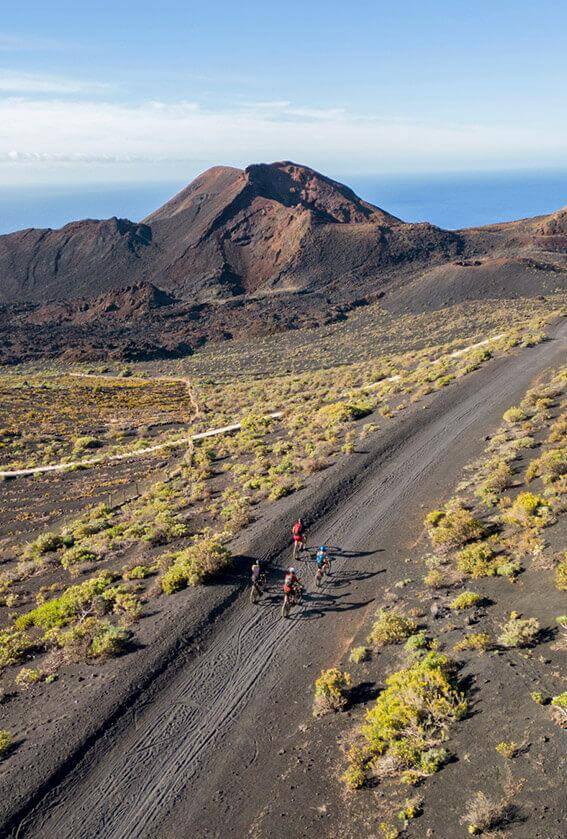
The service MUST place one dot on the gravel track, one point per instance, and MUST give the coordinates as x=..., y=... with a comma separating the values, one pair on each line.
x=197, y=755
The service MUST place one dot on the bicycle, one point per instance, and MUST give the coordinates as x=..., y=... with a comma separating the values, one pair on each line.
x=257, y=589
x=293, y=598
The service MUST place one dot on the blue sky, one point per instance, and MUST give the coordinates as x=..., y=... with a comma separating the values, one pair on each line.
x=125, y=92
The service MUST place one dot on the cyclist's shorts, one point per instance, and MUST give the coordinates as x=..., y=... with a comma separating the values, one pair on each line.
x=288, y=589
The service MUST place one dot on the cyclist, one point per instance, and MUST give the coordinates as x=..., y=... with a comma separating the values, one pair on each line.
x=322, y=559
x=298, y=531
x=291, y=581
x=292, y=590
x=256, y=588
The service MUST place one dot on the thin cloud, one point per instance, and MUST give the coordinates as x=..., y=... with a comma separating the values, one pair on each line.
x=30, y=83
x=21, y=43
x=51, y=135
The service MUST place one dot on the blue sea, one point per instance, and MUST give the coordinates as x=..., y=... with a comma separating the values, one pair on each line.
x=449, y=200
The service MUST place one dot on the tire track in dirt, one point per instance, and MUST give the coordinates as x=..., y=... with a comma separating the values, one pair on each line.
x=136, y=781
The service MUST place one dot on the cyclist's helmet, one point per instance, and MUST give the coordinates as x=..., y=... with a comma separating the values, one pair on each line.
x=291, y=570
x=322, y=547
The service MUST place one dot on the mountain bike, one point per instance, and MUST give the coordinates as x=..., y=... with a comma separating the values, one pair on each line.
x=257, y=589
x=323, y=569
x=294, y=598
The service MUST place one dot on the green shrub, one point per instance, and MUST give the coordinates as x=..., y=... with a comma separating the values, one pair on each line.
x=511, y=568
x=477, y=560
x=62, y=610
x=14, y=646
x=514, y=415
x=417, y=642
x=82, y=444
x=507, y=750
x=46, y=543
x=465, y=600
x=538, y=697
x=205, y=558
x=27, y=677
x=561, y=574
x=390, y=628
x=560, y=701
x=497, y=480
x=341, y=412
x=108, y=641
x=409, y=717
x=519, y=632
x=480, y=641
x=77, y=555
x=6, y=741
x=453, y=526
x=358, y=654
x=529, y=510
x=331, y=691
x=559, y=704
x=138, y=572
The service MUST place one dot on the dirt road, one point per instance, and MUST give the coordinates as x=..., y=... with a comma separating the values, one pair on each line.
x=204, y=752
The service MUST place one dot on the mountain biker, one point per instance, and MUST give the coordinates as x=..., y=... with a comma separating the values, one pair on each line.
x=323, y=564
x=291, y=581
x=298, y=531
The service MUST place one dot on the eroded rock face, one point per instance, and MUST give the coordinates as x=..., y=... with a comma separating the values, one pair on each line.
x=244, y=252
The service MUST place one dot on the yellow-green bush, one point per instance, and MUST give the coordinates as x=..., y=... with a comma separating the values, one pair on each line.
x=61, y=610
x=514, y=415
x=507, y=750
x=561, y=574
x=453, y=526
x=27, y=677
x=391, y=627
x=14, y=646
x=529, y=510
x=138, y=572
x=477, y=560
x=358, y=654
x=519, y=632
x=6, y=740
x=410, y=716
x=77, y=555
x=480, y=641
x=331, y=691
x=108, y=640
x=465, y=600
x=205, y=558
x=340, y=412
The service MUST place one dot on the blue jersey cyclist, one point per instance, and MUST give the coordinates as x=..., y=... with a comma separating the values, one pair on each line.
x=322, y=558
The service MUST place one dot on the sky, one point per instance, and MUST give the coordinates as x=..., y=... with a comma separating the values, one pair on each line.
x=139, y=93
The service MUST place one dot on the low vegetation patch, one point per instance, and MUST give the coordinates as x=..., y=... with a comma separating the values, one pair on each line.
x=403, y=731
x=453, y=526
x=465, y=600
x=519, y=632
x=331, y=691
x=205, y=558
x=391, y=627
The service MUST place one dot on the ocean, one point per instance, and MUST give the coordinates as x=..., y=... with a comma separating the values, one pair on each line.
x=449, y=200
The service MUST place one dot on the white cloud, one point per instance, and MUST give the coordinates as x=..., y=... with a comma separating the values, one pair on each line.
x=59, y=138
x=19, y=43
x=14, y=82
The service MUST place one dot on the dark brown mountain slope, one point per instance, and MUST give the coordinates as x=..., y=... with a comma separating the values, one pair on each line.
x=249, y=252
